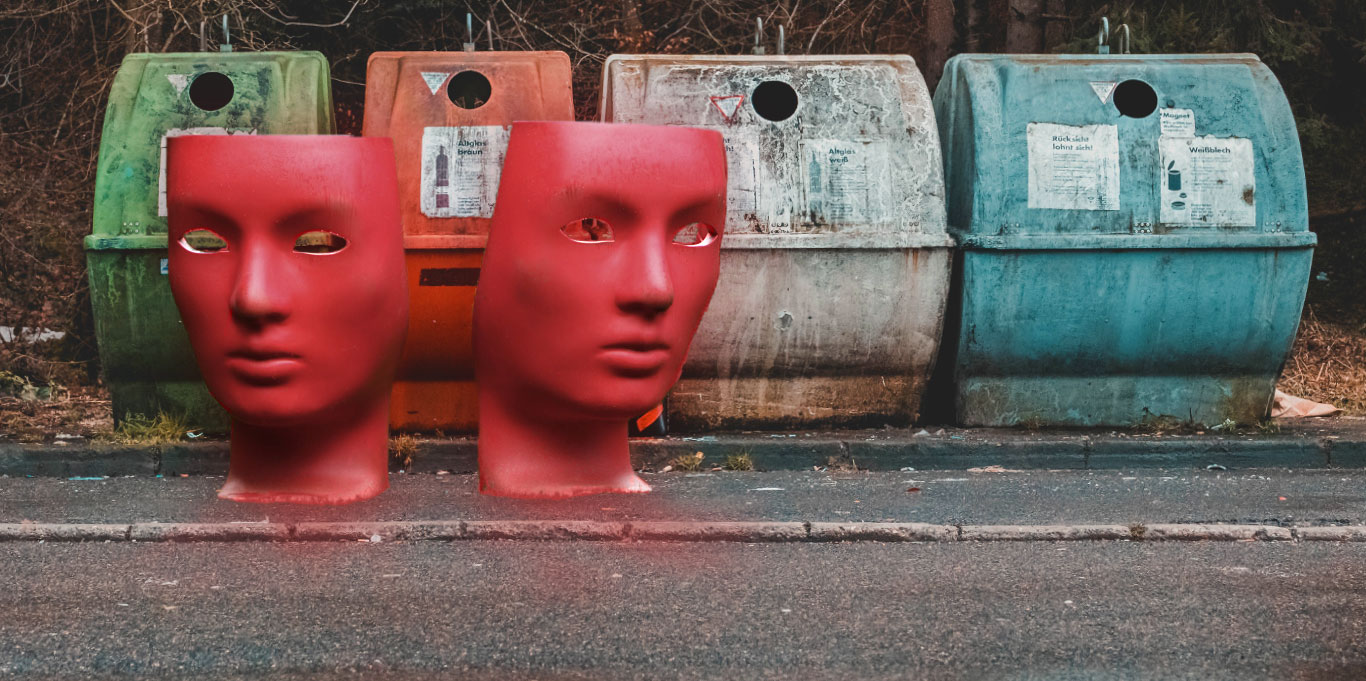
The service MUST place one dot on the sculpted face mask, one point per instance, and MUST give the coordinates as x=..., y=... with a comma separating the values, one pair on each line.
x=286, y=262
x=602, y=257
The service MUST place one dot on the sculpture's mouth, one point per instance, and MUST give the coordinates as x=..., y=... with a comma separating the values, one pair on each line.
x=264, y=366
x=636, y=358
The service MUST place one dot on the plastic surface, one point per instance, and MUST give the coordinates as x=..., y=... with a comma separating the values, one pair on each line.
x=835, y=268
x=420, y=100
x=576, y=331
x=299, y=344
x=1173, y=295
x=144, y=353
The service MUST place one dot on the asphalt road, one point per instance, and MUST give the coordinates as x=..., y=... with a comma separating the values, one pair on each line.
x=592, y=610
x=1264, y=496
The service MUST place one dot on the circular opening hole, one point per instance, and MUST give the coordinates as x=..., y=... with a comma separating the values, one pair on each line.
x=469, y=90
x=211, y=91
x=1135, y=99
x=774, y=100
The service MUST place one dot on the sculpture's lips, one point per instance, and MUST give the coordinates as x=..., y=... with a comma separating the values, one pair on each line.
x=638, y=346
x=263, y=366
x=262, y=355
x=636, y=358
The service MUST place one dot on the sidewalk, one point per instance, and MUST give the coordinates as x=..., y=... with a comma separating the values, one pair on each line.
x=1309, y=443
x=810, y=506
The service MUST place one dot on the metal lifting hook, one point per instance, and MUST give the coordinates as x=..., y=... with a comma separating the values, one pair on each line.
x=227, y=38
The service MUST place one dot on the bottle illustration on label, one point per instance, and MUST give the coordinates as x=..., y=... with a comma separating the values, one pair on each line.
x=443, y=200
x=1174, y=184
x=816, y=190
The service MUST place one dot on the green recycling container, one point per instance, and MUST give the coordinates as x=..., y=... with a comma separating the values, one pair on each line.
x=144, y=352
x=1133, y=235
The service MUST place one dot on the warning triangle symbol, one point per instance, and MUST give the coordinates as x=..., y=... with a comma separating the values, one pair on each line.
x=178, y=81
x=1103, y=90
x=434, y=80
x=728, y=105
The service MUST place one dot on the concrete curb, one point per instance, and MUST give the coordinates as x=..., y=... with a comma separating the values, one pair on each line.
x=590, y=530
x=1340, y=446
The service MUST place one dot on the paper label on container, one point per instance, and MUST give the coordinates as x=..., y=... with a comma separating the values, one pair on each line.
x=460, y=170
x=1177, y=122
x=743, y=182
x=845, y=180
x=1073, y=167
x=1207, y=181
x=178, y=132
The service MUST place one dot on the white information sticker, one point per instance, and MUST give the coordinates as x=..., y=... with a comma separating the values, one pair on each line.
x=1073, y=167
x=742, y=175
x=460, y=170
x=1208, y=181
x=1103, y=89
x=844, y=179
x=1177, y=122
x=177, y=132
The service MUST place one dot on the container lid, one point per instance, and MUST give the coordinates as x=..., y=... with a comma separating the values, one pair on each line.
x=155, y=96
x=449, y=114
x=1119, y=145
x=823, y=151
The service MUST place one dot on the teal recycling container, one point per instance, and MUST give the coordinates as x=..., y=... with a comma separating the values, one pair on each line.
x=1133, y=235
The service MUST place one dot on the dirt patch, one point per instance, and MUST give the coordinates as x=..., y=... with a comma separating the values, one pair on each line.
x=1328, y=363
x=81, y=412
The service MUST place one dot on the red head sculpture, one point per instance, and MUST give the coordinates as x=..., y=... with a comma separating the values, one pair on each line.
x=286, y=261
x=602, y=257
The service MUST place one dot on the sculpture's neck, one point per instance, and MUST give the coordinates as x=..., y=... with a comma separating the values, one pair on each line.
x=523, y=456
x=337, y=462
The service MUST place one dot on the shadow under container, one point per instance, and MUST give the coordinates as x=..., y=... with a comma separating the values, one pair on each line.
x=449, y=114
x=1134, y=237
x=144, y=351
x=834, y=263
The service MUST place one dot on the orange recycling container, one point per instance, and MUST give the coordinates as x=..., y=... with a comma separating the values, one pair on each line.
x=449, y=114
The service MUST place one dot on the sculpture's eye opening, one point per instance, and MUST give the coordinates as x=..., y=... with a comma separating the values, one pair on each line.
x=587, y=230
x=319, y=242
x=203, y=241
x=695, y=234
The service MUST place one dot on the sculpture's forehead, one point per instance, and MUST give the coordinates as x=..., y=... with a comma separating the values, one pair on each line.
x=642, y=184
x=623, y=158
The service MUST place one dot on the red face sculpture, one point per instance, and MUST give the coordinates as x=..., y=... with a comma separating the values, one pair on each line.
x=602, y=257
x=286, y=261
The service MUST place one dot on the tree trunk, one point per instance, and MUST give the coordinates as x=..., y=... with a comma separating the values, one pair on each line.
x=1024, y=27
x=1055, y=24
x=939, y=38
x=993, y=23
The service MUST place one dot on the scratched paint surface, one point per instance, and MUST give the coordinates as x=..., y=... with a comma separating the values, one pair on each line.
x=835, y=262
x=1123, y=313
x=144, y=352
